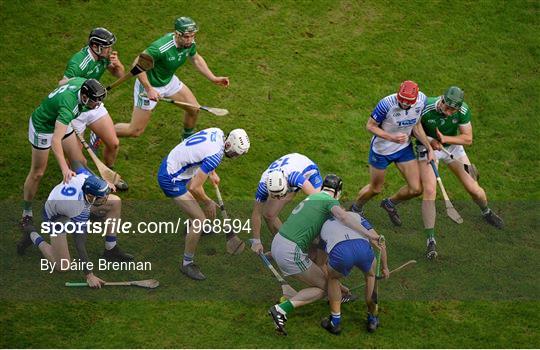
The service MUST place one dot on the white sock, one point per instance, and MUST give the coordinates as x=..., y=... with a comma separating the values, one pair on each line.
x=110, y=245
x=27, y=212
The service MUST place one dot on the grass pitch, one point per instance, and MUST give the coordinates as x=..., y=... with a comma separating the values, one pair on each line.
x=304, y=78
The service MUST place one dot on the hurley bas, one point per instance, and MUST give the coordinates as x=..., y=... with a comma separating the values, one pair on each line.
x=103, y=265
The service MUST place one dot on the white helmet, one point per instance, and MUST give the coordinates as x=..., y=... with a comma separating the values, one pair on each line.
x=276, y=183
x=236, y=143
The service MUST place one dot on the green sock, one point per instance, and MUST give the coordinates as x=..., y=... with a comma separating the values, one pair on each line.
x=287, y=306
x=430, y=232
x=27, y=205
x=188, y=132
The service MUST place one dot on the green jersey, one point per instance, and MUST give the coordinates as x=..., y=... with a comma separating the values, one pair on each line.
x=167, y=58
x=60, y=105
x=307, y=219
x=82, y=64
x=432, y=119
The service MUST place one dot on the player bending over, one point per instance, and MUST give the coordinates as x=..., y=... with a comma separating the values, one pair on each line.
x=395, y=118
x=346, y=249
x=49, y=126
x=90, y=63
x=442, y=118
x=183, y=173
x=73, y=202
x=291, y=243
x=277, y=187
x=169, y=53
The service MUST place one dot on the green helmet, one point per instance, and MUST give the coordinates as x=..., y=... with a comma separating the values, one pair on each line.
x=453, y=97
x=185, y=25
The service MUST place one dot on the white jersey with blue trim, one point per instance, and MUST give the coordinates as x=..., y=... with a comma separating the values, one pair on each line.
x=201, y=150
x=393, y=119
x=67, y=200
x=334, y=232
x=297, y=168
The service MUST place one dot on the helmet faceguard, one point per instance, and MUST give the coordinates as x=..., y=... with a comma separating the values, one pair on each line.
x=453, y=97
x=236, y=143
x=96, y=190
x=94, y=92
x=334, y=183
x=102, y=38
x=407, y=94
x=185, y=25
x=276, y=184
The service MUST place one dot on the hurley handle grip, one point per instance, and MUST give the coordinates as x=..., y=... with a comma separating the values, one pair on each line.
x=434, y=168
x=76, y=284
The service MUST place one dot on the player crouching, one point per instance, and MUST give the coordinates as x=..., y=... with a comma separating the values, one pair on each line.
x=183, y=173
x=346, y=248
x=73, y=202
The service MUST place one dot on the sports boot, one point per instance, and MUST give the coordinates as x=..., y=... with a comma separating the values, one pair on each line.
x=116, y=254
x=372, y=323
x=26, y=222
x=279, y=319
x=493, y=219
x=327, y=324
x=122, y=185
x=392, y=211
x=192, y=271
x=431, y=253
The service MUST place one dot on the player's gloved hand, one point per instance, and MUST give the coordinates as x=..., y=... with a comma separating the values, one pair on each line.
x=68, y=174
x=152, y=94
x=210, y=208
x=223, y=81
x=94, y=281
x=257, y=247
x=399, y=137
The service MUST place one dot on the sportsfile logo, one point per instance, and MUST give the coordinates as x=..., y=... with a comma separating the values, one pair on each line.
x=125, y=227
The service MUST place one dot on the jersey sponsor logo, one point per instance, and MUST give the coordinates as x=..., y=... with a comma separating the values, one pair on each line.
x=407, y=122
x=432, y=121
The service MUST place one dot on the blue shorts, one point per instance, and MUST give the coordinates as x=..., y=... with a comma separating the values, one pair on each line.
x=382, y=162
x=347, y=254
x=171, y=188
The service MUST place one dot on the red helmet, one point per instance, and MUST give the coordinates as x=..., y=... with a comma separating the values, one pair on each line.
x=408, y=92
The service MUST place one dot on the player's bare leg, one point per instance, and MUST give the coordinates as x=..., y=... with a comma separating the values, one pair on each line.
x=313, y=277
x=72, y=149
x=372, y=189
x=409, y=171
x=332, y=323
x=189, y=205
x=139, y=120
x=373, y=317
x=429, y=212
x=104, y=128
x=475, y=191
x=31, y=184
x=110, y=213
x=190, y=114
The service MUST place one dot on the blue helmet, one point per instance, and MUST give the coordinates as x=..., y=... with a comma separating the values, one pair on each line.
x=96, y=186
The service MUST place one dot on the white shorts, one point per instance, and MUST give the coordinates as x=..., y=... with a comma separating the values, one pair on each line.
x=87, y=118
x=456, y=150
x=168, y=90
x=289, y=257
x=42, y=140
